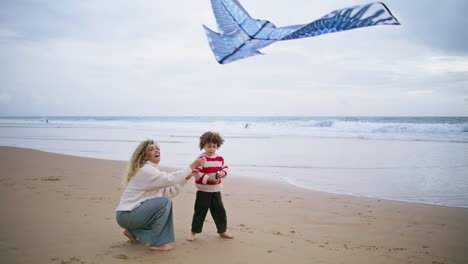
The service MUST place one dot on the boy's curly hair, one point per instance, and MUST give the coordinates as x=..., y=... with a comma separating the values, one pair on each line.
x=211, y=137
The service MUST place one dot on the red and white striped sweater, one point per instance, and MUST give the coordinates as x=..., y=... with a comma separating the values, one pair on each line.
x=213, y=165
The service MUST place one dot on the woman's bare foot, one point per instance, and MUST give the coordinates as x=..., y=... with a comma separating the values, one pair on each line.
x=191, y=237
x=165, y=247
x=131, y=236
x=226, y=235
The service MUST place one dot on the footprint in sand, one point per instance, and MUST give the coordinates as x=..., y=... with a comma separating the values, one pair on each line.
x=245, y=228
x=51, y=178
x=118, y=245
x=120, y=256
x=72, y=260
x=278, y=233
x=397, y=249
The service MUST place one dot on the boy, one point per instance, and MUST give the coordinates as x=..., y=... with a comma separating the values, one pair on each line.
x=208, y=180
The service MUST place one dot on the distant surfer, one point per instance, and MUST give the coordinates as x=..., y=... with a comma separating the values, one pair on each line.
x=246, y=125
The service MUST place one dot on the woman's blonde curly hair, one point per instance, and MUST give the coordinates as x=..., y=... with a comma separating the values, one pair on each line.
x=137, y=160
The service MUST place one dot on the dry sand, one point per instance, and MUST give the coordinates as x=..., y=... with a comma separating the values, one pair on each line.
x=60, y=209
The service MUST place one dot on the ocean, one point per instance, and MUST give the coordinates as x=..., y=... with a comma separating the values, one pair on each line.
x=411, y=159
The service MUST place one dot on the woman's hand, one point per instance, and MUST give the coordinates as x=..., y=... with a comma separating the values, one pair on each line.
x=191, y=175
x=198, y=163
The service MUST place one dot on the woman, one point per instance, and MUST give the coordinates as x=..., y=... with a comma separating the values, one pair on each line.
x=145, y=210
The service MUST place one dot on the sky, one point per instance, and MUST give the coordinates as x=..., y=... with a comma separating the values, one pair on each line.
x=152, y=58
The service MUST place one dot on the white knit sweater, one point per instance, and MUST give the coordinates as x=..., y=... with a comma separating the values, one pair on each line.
x=149, y=182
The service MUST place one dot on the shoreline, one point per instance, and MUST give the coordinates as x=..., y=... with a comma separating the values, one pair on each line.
x=281, y=180
x=61, y=209
x=369, y=197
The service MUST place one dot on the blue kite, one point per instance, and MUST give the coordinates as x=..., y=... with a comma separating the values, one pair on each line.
x=241, y=36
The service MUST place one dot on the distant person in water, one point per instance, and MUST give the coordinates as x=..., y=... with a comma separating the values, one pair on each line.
x=209, y=182
x=145, y=209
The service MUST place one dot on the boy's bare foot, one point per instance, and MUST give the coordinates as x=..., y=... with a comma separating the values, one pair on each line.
x=226, y=235
x=165, y=247
x=191, y=237
x=131, y=236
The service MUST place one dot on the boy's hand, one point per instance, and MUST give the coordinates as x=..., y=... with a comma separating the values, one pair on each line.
x=221, y=174
x=212, y=180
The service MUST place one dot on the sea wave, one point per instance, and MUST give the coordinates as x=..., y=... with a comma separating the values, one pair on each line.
x=324, y=124
x=441, y=129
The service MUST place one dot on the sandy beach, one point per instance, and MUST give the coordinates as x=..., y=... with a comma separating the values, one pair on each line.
x=60, y=209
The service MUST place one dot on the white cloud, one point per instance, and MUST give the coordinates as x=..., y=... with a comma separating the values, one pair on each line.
x=421, y=92
x=7, y=34
x=447, y=64
x=5, y=97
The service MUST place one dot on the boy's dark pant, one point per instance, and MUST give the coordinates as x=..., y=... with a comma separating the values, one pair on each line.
x=212, y=201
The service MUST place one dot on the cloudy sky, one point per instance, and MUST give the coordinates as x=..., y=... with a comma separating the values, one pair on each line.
x=151, y=57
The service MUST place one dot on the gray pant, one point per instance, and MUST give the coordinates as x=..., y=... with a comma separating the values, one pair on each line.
x=150, y=222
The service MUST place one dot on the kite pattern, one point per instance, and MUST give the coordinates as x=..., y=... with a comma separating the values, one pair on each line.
x=241, y=36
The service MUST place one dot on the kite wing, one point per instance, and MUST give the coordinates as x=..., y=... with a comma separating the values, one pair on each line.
x=237, y=32
x=372, y=14
x=241, y=36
